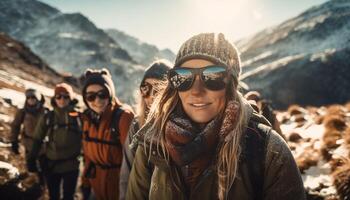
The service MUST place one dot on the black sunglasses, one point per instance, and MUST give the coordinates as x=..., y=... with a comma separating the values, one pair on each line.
x=145, y=89
x=91, y=96
x=60, y=96
x=212, y=76
x=30, y=97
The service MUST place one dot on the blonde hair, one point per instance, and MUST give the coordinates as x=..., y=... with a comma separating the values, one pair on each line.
x=229, y=149
x=141, y=111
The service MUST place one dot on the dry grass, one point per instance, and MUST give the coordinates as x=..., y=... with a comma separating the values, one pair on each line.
x=347, y=135
x=319, y=119
x=347, y=106
x=336, y=109
x=295, y=110
x=341, y=180
x=308, y=159
x=330, y=138
x=294, y=137
x=334, y=123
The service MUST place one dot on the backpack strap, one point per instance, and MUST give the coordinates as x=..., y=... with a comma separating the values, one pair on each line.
x=49, y=120
x=115, y=123
x=114, y=130
x=254, y=154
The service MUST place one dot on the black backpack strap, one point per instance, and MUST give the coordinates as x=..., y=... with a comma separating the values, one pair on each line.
x=114, y=130
x=254, y=154
x=115, y=124
x=49, y=120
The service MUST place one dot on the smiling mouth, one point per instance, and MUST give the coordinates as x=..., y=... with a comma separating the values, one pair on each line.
x=199, y=105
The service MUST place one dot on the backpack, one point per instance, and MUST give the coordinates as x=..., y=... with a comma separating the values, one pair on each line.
x=254, y=154
x=51, y=125
x=114, y=130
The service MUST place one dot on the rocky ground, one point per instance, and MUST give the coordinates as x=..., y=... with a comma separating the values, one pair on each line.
x=320, y=141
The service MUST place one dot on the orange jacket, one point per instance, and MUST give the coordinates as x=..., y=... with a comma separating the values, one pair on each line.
x=103, y=159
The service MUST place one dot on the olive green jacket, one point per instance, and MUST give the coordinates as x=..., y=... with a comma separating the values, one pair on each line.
x=155, y=179
x=29, y=121
x=62, y=140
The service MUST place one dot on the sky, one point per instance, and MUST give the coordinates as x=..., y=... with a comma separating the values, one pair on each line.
x=169, y=23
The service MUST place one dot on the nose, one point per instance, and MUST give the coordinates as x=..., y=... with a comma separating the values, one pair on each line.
x=197, y=88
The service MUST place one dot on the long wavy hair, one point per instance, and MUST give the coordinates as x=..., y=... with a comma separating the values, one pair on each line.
x=229, y=150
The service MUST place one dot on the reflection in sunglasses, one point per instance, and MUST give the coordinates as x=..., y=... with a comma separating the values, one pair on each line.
x=212, y=76
x=102, y=94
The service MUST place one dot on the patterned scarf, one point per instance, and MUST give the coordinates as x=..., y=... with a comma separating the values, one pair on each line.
x=192, y=148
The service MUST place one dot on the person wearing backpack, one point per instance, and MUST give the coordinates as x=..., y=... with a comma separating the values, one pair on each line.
x=264, y=108
x=202, y=140
x=105, y=126
x=151, y=85
x=25, y=121
x=60, y=130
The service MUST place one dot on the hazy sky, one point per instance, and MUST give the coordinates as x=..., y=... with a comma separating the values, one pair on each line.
x=168, y=23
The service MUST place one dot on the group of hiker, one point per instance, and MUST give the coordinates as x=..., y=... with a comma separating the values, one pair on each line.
x=194, y=135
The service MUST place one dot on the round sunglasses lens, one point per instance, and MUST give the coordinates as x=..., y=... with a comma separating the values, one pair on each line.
x=213, y=77
x=90, y=97
x=181, y=79
x=145, y=90
x=103, y=95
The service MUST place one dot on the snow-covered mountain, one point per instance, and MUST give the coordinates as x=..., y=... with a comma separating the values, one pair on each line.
x=303, y=60
x=142, y=52
x=69, y=42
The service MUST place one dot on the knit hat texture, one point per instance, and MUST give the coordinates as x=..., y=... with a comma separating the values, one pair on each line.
x=212, y=47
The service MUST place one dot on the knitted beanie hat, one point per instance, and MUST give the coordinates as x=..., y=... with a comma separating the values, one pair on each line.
x=64, y=88
x=34, y=93
x=100, y=77
x=157, y=70
x=212, y=47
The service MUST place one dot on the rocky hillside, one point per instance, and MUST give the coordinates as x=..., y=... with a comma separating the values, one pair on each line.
x=69, y=42
x=303, y=60
x=142, y=52
x=20, y=69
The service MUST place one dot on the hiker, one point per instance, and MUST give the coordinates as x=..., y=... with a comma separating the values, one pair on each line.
x=105, y=126
x=264, y=108
x=28, y=117
x=60, y=131
x=151, y=84
x=202, y=140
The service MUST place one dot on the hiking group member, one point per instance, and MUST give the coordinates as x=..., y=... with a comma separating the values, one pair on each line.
x=60, y=130
x=151, y=84
x=202, y=139
x=28, y=117
x=105, y=126
x=264, y=108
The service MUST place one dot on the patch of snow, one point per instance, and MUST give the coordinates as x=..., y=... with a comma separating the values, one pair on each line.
x=316, y=175
x=258, y=57
x=5, y=118
x=88, y=53
x=16, y=97
x=12, y=171
x=311, y=23
x=69, y=35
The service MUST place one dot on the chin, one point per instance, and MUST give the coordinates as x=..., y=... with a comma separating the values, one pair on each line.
x=201, y=119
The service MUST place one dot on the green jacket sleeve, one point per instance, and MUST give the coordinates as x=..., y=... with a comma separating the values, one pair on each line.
x=282, y=176
x=140, y=177
x=39, y=135
x=16, y=125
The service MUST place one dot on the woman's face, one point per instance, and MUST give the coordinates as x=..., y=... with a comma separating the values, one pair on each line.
x=200, y=103
x=97, y=98
x=31, y=100
x=148, y=91
x=62, y=99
